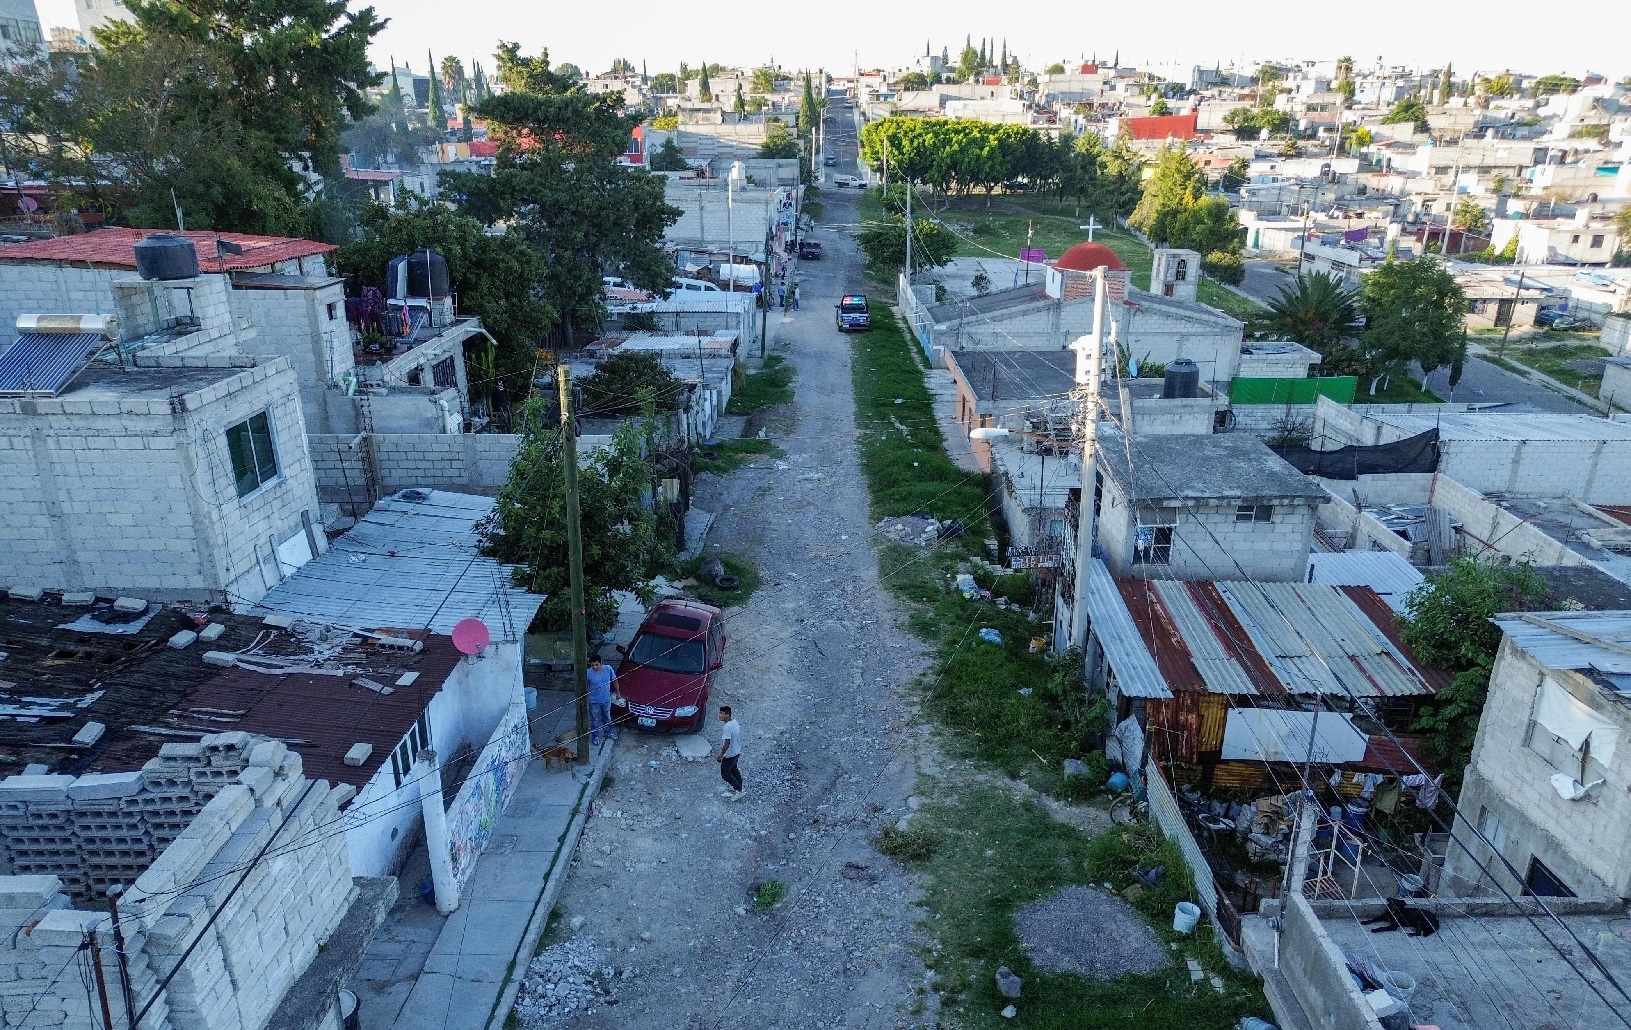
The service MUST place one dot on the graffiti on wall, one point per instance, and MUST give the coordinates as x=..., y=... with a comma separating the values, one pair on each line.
x=487, y=792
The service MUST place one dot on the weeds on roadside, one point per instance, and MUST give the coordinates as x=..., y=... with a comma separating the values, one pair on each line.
x=911, y=845
x=726, y=456
x=771, y=385
x=768, y=895
x=740, y=566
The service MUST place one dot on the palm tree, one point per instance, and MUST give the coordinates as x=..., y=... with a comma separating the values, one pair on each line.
x=1317, y=310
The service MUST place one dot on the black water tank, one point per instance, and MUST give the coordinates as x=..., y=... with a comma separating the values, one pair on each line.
x=164, y=255
x=427, y=275
x=1183, y=380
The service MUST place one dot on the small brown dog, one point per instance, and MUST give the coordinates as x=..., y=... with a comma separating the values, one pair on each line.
x=559, y=753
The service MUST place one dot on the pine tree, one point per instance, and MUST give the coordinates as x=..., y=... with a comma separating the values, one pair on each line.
x=945, y=57
x=436, y=113
x=1444, y=85
x=1004, y=65
x=705, y=91
x=478, y=83
x=740, y=104
x=983, y=59
x=644, y=78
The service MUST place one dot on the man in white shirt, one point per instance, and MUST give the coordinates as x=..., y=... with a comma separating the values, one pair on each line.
x=730, y=749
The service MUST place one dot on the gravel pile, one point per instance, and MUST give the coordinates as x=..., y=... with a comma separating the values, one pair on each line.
x=1088, y=932
x=564, y=980
x=911, y=529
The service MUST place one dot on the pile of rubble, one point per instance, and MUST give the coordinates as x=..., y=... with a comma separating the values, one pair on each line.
x=914, y=530
x=563, y=981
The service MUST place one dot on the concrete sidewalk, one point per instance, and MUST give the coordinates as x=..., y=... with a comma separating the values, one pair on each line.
x=463, y=973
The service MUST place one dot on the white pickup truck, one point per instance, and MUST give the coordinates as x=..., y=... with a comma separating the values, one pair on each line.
x=841, y=181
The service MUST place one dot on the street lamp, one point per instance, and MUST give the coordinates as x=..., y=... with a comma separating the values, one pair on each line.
x=731, y=179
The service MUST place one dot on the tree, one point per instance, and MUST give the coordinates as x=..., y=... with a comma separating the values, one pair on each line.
x=883, y=241
x=1056, y=68
x=557, y=183
x=1414, y=311
x=627, y=381
x=388, y=133
x=1316, y=310
x=454, y=81
x=1499, y=85
x=1445, y=85
x=968, y=64
x=705, y=92
x=809, y=110
x=1269, y=73
x=1160, y=107
x=666, y=83
x=1176, y=185
x=1468, y=216
x=1260, y=122
x=1358, y=137
x=912, y=81
x=1447, y=625
x=668, y=157
x=625, y=541
x=569, y=71
x=1235, y=176
x=497, y=276
x=1345, y=69
x=1408, y=109
x=1346, y=91
x=622, y=66
x=479, y=89
x=740, y=103
x=436, y=113
x=779, y=142
x=765, y=79
x=227, y=105
x=1548, y=85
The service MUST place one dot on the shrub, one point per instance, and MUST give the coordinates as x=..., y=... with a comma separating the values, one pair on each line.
x=1224, y=267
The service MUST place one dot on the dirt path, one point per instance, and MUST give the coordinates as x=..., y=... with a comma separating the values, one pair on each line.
x=816, y=667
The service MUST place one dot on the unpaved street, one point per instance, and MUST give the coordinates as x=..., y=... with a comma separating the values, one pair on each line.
x=816, y=669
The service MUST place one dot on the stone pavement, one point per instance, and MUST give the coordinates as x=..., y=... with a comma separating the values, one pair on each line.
x=423, y=972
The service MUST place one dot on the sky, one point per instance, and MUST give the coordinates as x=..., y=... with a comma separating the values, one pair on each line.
x=837, y=36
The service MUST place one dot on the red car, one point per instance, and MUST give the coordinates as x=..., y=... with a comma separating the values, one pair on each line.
x=669, y=666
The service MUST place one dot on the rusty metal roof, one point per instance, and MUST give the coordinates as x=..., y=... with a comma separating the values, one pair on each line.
x=321, y=715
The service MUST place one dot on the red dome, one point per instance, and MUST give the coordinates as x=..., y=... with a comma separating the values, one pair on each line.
x=1084, y=257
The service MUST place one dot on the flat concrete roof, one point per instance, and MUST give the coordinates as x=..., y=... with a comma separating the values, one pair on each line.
x=105, y=381
x=1195, y=468
x=1481, y=972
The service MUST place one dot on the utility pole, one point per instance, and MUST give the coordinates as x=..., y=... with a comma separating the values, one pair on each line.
x=1517, y=299
x=1089, y=366
x=114, y=893
x=908, y=234
x=574, y=550
x=101, y=978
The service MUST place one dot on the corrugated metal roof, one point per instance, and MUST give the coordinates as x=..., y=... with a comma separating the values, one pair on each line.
x=1317, y=641
x=1383, y=571
x=1135, y=670
x=1557, y=650
x=1455, y=426
x=325, y=715
x=1218, y=668
x=409, y=564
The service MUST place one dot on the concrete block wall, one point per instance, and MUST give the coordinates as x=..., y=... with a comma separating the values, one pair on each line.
x=1207, y=542
x=253, y=940
x=1314, y=967
x=1597, y=472
x=38, y=288
x=135, y=493
x=1583, y=842
x=297, y=324
x=479, y=461
x=1487, y=528
x=340, y=465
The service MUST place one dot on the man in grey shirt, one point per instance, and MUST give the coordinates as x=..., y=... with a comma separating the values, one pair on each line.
x=730, y=749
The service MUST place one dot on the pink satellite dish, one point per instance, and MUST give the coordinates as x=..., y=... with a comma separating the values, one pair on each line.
x=470, y=636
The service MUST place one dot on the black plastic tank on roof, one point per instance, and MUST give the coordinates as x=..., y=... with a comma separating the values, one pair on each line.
x=166, y=256
x=426, y=275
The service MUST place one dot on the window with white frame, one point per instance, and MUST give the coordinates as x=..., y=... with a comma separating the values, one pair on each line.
x=1254, y=513
x=416, y=740
x=254, y=456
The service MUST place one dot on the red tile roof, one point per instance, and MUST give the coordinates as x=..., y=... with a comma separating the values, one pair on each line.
x=483, y=148
x=1159, y=127
x=115, y=248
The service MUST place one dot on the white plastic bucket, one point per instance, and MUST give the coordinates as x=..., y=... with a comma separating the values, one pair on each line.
x=1399, y=985
x=1185, y=915
x=531, y=694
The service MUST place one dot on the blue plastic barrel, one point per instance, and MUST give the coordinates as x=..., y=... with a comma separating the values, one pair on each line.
x=1355, y=814
x=1118, y=781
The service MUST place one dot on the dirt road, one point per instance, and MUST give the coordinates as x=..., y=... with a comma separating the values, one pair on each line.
x=662, y=892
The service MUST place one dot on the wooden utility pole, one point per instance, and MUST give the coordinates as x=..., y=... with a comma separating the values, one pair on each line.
x=574, y=550
x=101, y=978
